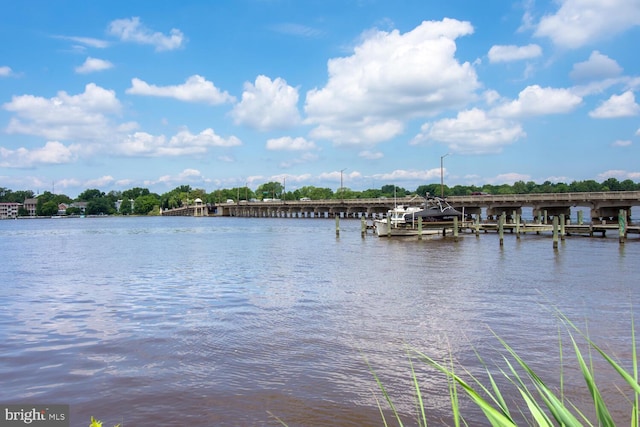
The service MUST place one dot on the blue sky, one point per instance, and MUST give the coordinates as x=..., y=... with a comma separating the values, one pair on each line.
x=220, y=94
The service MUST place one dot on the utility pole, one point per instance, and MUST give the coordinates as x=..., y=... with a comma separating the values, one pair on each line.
x=442, y=175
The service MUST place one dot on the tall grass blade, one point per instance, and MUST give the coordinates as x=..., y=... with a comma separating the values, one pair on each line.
x=632, y=381
x=423, y=420
x=538, y=414
x=535, y=409
x=635, y=420
x=602, y=412
x=385, y=394
x=495, y=395
x=495, y=417
x=558, y=410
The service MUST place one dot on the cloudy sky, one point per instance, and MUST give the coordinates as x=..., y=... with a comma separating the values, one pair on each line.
x=219, y=94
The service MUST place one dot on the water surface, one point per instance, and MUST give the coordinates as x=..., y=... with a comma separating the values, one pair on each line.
x=231, y=321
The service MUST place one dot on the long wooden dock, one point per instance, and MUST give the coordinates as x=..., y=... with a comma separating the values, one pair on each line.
x=569, y=229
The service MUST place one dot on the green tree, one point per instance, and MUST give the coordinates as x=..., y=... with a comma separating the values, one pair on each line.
x=271, y=189
x=628, y=185
x=125, y=207
x=50, y=199
x=391, y=190
x=611, y=184
x=9, y=196
x=90, y=194
x=316, y=193
x=561, y=187
x=519, y=187
x=431, y=189
x=49, y=208
x=145, y=204
x=371, y=193
x=585, y=186
x=100, y=206
x=134, y=193
x=459, y=190
x=74, y=211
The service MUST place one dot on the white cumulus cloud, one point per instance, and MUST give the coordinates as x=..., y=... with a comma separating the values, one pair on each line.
x=597, y=67
x=581, y=22
x=617, y=106
x=5, y=71
x=370, y=155
x=65, y=117
x=267, y=105
x=195, y=89
x=508, y=178
x=181, y=144
x=472, y=131
x=100, y=182
x=408, y=175
x=392, y=77
x=132, y=30
x=53, y=152
x=91, y=65
x=187, y=176
x=621, y=143
x=514, y=53
x=536, y=101
x=290, y=144
x=618, y=174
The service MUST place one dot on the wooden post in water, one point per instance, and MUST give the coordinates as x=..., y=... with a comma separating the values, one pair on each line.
x=562, y=233
x=516, y=216
x=419, y=228
x=388, y=226
x=455, y=228
x=363, y=226
x=622, y=225
x=501, y=228
x=555, y=232
x=338, y=225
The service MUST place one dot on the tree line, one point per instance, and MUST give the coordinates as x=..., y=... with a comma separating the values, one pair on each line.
x=140, y=201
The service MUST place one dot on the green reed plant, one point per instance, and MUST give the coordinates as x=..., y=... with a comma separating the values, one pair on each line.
x=540, y=404
x=96, y=423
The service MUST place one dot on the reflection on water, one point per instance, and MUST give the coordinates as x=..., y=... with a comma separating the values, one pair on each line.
x=222, y=321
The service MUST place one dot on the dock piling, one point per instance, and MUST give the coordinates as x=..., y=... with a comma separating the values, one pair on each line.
x=622, y=225
x=455, y=228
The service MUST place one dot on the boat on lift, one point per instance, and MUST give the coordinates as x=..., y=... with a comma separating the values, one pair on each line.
x=403, y=221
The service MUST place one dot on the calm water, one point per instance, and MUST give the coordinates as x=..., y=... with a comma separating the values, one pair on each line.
x=225, y=321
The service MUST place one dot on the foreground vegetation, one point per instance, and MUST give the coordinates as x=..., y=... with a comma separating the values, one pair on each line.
x=529, y=396
x=143, y=202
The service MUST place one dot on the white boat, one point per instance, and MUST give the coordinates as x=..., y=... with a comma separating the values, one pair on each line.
x=436, y=214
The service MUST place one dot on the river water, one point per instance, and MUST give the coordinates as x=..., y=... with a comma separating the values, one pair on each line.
x=175, y=321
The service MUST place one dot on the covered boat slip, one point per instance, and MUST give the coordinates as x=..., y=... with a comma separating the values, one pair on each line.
x=435, y=216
